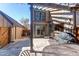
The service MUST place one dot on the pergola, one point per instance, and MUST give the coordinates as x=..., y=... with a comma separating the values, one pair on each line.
x=57, y=12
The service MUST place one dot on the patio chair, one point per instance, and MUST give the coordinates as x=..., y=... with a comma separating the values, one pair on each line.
x=25, y=52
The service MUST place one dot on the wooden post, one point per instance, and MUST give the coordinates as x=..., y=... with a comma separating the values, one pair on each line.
x=31, y=35
x=15, y=32
x=74, y=11
x=49, y=21
x=9, y=34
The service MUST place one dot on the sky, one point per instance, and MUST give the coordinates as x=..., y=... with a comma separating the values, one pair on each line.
x=16, y=10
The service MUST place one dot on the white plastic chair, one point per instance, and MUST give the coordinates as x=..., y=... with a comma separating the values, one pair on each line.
x=25, y=51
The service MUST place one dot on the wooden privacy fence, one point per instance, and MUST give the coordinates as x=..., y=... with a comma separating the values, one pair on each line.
x=4, y=36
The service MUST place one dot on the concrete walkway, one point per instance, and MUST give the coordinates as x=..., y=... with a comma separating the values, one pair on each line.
x=40, y=43
x=14, y=49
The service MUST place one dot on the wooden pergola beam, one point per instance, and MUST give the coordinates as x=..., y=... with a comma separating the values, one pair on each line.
x=46, y=8
x=64, y=13
x=60, y=17
x=52, y=5
x=62, y=22
x=55, y=10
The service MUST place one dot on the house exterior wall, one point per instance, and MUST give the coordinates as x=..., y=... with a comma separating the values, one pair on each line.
x=4, y=22
x=60, y=17
x=44, y=30
x=40, y=22
x=4, y=31
x=7, y=28
x=19, y=32
x=16, y=33
x=69, y=17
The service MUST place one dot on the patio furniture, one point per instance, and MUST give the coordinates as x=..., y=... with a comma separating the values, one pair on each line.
x=25, y=51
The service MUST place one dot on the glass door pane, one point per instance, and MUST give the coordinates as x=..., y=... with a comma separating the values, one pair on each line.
x=39, y=31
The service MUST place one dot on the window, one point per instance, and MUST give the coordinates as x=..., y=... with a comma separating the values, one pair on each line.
x=39, y=15
x=43, y=16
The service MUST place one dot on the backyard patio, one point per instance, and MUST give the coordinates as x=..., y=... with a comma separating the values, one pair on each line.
x=51, y=47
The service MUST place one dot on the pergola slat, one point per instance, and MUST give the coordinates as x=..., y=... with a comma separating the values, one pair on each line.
x=66, y=13
x=55, y=10
x=62, y=22
x=60, y=17
x=46, y=8
x=52, y=5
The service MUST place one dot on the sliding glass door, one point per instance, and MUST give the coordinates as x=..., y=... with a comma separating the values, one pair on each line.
x=39, y=31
